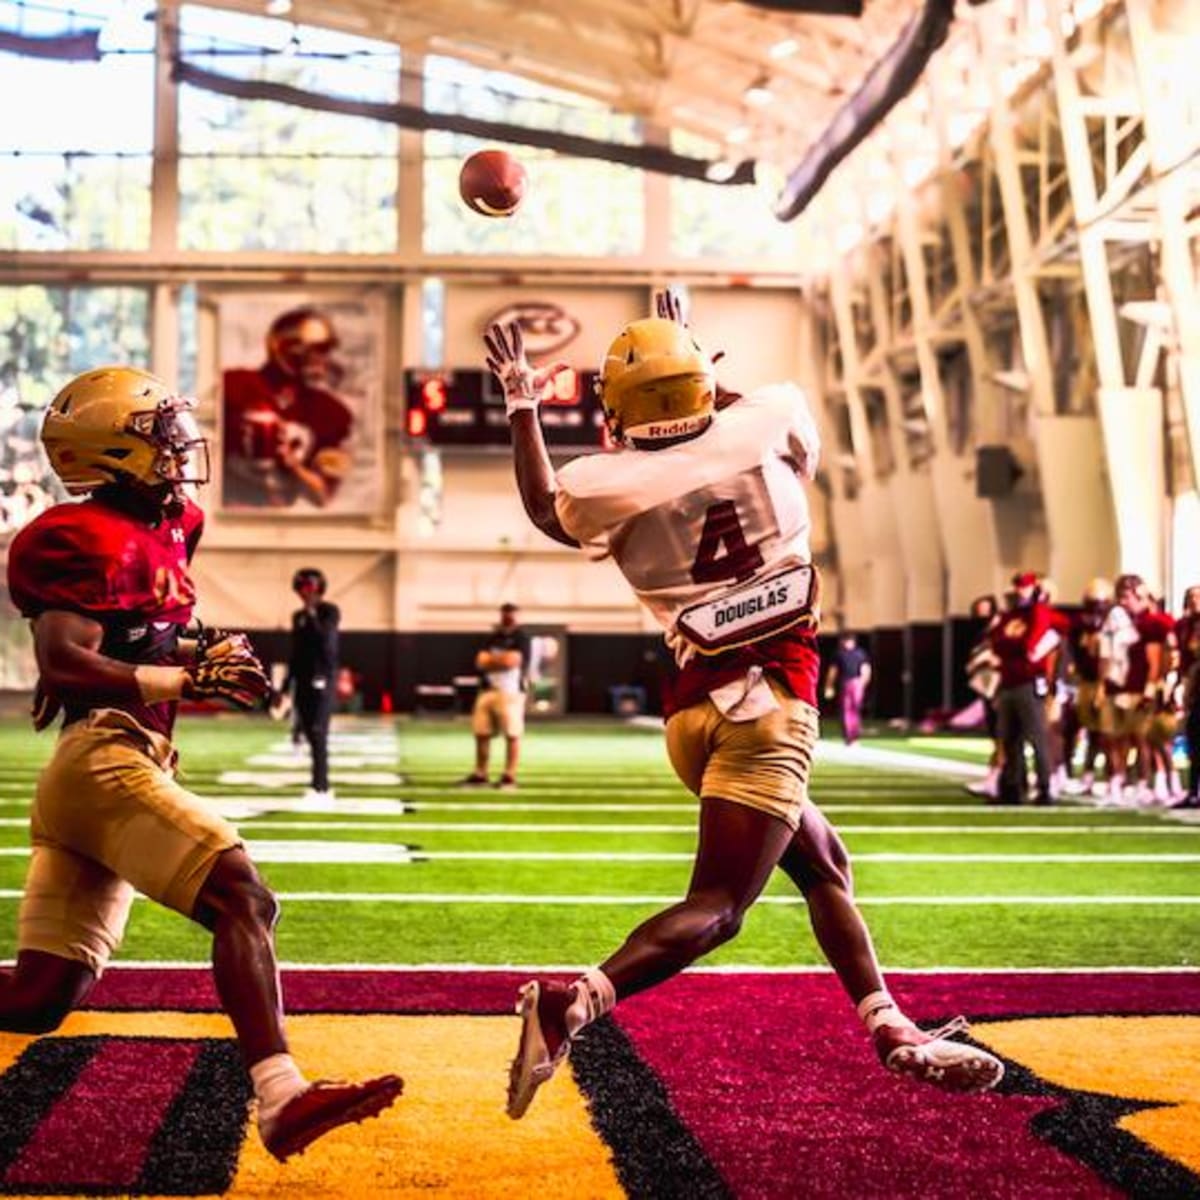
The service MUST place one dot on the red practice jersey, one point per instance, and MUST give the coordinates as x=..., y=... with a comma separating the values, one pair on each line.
x=1084, y=639
x=98, y=560
x=1024, y=640
x=1154, y=629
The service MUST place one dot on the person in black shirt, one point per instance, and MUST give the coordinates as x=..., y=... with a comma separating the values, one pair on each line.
x=500, y=705
x=312, y=671
x=848, y=677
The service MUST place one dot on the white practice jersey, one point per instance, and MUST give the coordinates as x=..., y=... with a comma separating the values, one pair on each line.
x=690, y=522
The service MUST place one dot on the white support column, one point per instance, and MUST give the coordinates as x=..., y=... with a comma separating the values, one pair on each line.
x=1131, y=417
x=164, y=195
x=874, y=574
x=1165, y=39
x=963, y=521
x=916, y=520
x=1070, y=458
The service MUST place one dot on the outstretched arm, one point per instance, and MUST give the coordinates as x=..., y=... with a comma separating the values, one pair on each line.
x=523, y=386
x=71, y=666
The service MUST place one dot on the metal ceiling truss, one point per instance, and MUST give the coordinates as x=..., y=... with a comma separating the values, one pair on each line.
x=1053, y=258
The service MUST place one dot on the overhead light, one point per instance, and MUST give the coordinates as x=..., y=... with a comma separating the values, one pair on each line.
x=278, y=8
x=758, y=94
x=783, y=49
x=739, y=135
x=721, y=171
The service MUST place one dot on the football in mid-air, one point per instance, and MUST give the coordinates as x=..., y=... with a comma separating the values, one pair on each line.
x=493, y=183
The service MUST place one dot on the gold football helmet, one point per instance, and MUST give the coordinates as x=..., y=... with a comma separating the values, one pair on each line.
x=118, y=422
x=1098, y=591
x=656, y=383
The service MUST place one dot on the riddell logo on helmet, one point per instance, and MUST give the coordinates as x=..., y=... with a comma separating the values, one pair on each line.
x=669, y=429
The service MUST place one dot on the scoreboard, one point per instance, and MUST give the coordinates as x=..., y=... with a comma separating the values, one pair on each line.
x=465, y=408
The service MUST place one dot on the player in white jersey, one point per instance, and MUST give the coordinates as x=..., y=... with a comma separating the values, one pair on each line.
x=703, y=509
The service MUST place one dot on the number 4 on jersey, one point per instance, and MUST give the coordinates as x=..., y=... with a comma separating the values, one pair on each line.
x=722, y=528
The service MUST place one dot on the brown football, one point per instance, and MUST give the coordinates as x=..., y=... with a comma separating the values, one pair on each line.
x=493, y=183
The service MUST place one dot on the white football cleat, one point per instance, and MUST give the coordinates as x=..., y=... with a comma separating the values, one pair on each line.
x=934, y=1059
x=545, y=1042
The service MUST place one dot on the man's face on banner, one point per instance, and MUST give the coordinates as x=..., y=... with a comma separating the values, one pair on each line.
x=304, y=350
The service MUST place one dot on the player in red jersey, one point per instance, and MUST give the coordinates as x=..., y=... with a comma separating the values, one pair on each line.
x=705, y=514
x=1159, y=782
x=106, y=586
x=1025, y=640
x=1187, y=634
x=1083, y=644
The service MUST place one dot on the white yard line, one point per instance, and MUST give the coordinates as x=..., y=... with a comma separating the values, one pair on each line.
x=396, y=854
x=280, y=779
x=149, y=964
x=493, y=898
x=403, y=825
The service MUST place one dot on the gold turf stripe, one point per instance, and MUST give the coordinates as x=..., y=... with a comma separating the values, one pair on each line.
x=1147, y=1058
x=448, y=1135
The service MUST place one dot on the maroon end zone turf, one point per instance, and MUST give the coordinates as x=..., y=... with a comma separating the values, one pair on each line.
x=764, y=1085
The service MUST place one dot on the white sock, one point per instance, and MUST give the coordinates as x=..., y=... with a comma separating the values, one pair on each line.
x=594, y=996
x=878, y=1008
x=276, y=1080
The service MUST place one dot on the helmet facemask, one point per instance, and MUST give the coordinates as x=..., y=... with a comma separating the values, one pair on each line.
x=181, y=450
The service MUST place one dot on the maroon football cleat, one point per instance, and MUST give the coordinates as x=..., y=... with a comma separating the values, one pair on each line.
x=324, y=1106
x=933, y=1058
x=544, y=1042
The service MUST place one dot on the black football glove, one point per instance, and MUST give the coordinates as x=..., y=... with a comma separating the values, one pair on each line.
x=240, y=682
x=227, y=669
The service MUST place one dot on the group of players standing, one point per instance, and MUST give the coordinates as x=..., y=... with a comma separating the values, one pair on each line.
x=1114, y=680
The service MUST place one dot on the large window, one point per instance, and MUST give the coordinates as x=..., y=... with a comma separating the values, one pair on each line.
x=575, y=206
x=76, y=137
x=48, y=334
x=709, y=220
x=256, y=175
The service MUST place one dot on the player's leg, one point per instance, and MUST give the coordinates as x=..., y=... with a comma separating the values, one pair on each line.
x=1037, y=733
x=512, y=721
x=1008, y=728
x=72, y=915
x=482, y=728
x=40, y=990
x=135, y=820
x=73, y=909
x=319, y=737
x=752, y=777
x=817, y=863
x=739, y=848
x=236, y=907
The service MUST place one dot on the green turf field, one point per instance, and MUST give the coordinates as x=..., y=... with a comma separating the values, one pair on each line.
x=416, y=871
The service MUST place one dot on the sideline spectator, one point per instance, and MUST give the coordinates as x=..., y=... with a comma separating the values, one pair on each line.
x=500, y=704
x=312, y=671
x=1024, y=640
x=849, y=677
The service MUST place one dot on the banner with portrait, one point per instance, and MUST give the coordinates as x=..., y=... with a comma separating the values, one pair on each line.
x=301, y=401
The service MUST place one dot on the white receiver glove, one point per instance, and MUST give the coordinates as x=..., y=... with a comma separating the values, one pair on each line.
x=523, y=383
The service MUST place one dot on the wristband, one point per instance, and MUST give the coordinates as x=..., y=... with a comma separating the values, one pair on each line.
x=157, y=685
